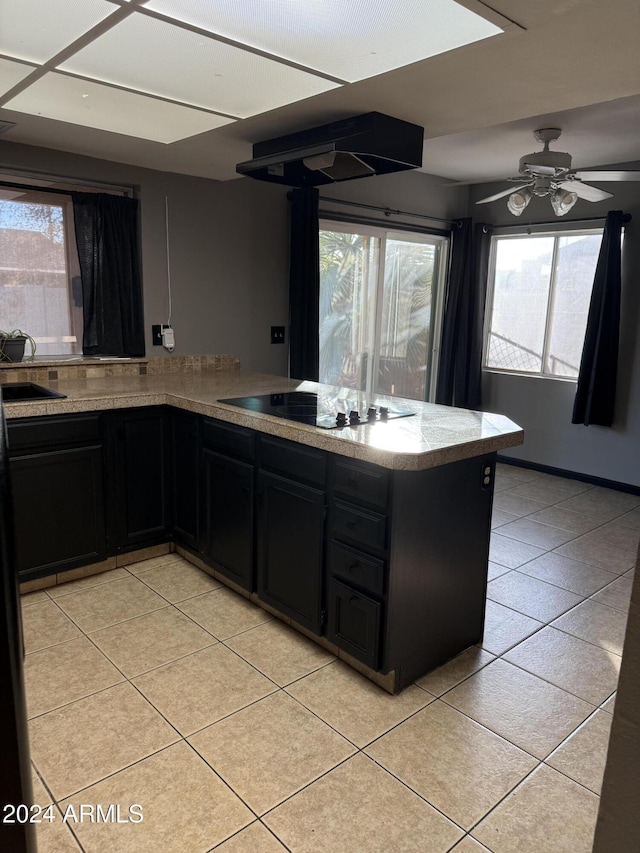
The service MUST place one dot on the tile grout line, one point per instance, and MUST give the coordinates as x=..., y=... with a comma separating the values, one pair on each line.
x=360, y=750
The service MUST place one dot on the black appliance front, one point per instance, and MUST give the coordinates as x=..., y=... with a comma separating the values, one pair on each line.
x=326, y=411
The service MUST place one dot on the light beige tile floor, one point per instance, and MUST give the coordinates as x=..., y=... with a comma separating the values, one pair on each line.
x=153, y=685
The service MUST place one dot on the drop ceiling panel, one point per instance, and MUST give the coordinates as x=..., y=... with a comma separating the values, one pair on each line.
x=349, y=40
x=165, y=60
x=36, y=31
x=69, y=99
x=12, y=73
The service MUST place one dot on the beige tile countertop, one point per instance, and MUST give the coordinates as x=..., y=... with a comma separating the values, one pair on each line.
x=436, y=435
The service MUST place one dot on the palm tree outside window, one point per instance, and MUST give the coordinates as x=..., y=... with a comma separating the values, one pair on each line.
x=380, y=308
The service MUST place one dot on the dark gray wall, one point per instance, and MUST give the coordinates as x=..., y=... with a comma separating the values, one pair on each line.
x=229, y=246
x=543, y=407
x=229, y=265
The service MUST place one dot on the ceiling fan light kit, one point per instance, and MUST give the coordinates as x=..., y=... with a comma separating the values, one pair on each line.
x=549, y=173
x=562, y=201
x=518, y=200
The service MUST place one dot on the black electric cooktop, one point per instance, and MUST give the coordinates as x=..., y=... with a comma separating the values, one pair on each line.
x=320, y=410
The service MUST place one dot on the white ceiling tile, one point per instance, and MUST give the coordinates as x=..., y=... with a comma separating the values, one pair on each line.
x=58, y=96
x=36, y=30
x=165, y=60
x=349, y=40
x=12, y=73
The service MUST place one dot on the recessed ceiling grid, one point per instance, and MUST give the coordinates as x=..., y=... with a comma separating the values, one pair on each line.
x=165, y=70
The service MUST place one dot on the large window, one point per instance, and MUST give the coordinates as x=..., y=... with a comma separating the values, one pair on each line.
x=379, y=308
x=40, y=290
x=41, y=283
x=539, y=293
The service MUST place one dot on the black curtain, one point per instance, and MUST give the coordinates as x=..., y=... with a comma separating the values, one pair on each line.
x=460, y=369
x=304, y=285
x=596, y=390
x=106, y=228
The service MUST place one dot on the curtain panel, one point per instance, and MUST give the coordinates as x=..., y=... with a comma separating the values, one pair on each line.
x=106, y=228
x=460, y=369
x=596, y=389
x=304, y=285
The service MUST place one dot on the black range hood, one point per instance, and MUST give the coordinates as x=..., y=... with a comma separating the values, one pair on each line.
x=368, y=144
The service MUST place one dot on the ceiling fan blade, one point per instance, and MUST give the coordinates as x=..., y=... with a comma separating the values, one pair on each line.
x=502, y=194
x=540, y=170
x=585, y=191
x=607, y=176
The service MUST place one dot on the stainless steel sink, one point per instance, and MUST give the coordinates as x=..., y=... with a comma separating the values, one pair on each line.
x=25, y=392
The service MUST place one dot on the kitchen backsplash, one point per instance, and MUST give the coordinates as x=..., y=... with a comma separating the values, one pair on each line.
x=48, y=371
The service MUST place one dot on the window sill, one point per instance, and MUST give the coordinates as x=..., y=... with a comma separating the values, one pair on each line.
x=494, y=372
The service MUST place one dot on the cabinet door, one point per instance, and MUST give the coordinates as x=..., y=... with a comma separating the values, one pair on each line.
x=290, y=548
x=354, y=622
x=58, y=510
x=142, y=474
x=228, y=516
x=185, y=477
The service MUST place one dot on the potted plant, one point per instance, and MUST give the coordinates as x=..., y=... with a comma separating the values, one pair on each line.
x=12, y=345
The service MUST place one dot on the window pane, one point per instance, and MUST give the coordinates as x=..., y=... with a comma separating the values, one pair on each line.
x=520, y=300
x=348, y=274
x=406, y=318
x=34, y=278
x=575, y=268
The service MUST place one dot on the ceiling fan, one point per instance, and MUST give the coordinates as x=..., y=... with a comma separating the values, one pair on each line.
x=549, y=173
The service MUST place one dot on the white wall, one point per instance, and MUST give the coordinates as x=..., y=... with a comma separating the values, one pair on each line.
x=543, y=407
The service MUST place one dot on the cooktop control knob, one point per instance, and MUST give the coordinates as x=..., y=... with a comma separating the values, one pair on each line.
x=384, y=413
x=341, y=419
x=371, y=414
x=354, y=417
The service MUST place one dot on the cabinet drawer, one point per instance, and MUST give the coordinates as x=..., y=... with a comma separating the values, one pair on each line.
x=360, y=482
x=357, y=568
x=363, y=526
x=295, y=460
x=229, y=438
x=53, y=431
x=354, y=622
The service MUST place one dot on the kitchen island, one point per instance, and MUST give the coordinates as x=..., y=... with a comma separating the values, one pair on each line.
x=371, y=539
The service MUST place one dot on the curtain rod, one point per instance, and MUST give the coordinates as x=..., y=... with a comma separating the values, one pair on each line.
x=37, y=188
x=387, y=210
x=625, y=218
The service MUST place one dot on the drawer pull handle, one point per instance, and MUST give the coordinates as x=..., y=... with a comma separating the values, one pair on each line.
x=352, y=481
x=353, y=567
x=351, y=524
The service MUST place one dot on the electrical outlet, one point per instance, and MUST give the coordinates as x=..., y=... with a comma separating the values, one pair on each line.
x=277, y=334
x=156, y=335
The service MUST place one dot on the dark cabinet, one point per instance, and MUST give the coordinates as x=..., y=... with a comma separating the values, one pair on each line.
x=290, y=548
x=58, y=493
x=354, y=622
x=141, y=472
x=358, y=557
x=291, y=521
x=185, y=473
x=228, y=498
x=228, y=474
x=390, y=565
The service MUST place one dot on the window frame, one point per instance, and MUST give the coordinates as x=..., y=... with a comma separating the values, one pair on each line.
x=388, y=231
x=60, y=190
x=565, y=230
